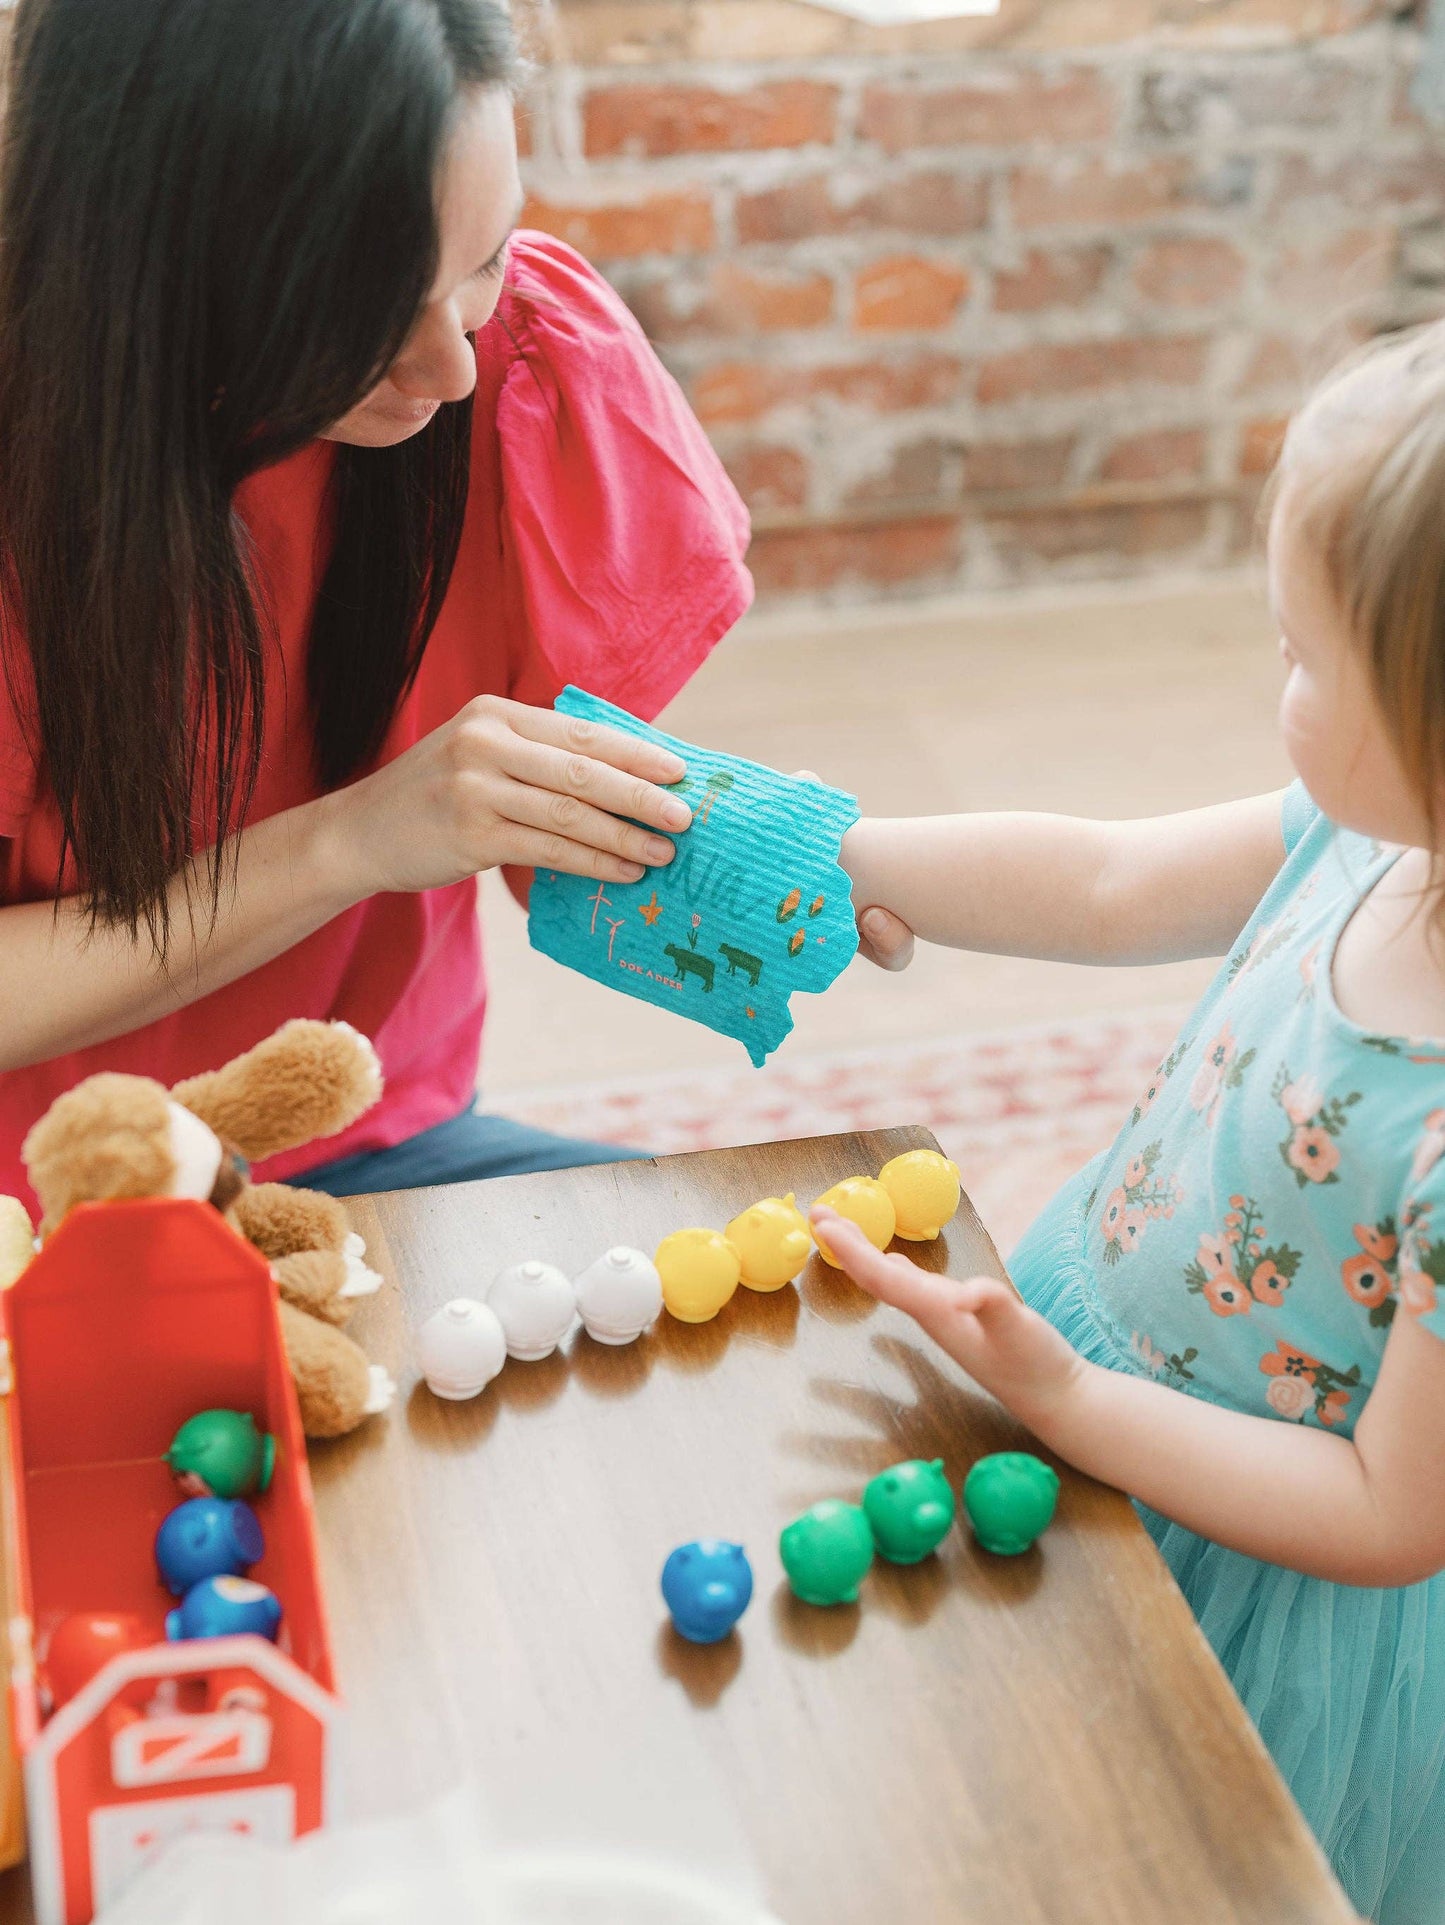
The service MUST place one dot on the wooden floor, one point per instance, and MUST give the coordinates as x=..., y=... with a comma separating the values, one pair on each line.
x=1102, y=703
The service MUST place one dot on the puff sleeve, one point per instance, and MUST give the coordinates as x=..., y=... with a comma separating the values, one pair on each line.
x=622, y=537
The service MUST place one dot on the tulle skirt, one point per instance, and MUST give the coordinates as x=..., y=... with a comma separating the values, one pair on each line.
x=1346, y=1685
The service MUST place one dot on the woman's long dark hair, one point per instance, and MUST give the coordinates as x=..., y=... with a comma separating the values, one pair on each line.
x=217, y=227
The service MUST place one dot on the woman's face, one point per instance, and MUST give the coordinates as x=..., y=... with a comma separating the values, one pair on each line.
x=1331, y=722
x=479, y=198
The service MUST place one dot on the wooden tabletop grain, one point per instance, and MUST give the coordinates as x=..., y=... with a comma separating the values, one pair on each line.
x=1031, y=1740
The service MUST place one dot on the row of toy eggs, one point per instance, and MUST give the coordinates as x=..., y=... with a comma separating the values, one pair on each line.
x=766, y=1246
x=906, y=1512
x=528, y=1311
x=530, y=1307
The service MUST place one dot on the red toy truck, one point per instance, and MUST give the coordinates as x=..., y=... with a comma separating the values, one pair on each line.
x=132, y=1318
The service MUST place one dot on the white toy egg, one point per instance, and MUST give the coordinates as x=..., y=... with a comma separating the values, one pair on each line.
x=620, y=1295
x=535, y=1304
x=461, y=1348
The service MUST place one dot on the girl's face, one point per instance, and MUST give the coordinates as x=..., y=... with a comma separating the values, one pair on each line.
x=1331, y=722
x=479, y=197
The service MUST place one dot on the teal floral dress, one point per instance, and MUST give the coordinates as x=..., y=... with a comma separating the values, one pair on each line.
x=1274, y=1201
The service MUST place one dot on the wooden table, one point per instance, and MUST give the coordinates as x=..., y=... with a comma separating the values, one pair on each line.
x=1032, y=1740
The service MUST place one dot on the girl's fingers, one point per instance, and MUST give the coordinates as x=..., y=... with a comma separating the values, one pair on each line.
x=578, y=821
x=892, y=1279
x=885, y=939
x=579, y=778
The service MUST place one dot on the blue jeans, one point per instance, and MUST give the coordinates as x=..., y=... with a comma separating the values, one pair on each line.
x=468, y=1148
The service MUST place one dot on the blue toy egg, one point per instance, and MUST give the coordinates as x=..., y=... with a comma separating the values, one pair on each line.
x=207, y=1537
x=707, y=1585
x=220, y=1607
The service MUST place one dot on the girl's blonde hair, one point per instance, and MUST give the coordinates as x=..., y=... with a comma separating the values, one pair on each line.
x=1363, y=466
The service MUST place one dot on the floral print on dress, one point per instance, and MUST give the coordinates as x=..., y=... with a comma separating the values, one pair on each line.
x=1307, y=964
x=1134, y=1201
x=1421, y=1263
x=1173, y=1368
x=1236, y=1269
x=1221, y=1068
x=1371, y=1277
x=1311, y=1149
x=1262, y=945
x=1161, y=1076
x=1301, y=1385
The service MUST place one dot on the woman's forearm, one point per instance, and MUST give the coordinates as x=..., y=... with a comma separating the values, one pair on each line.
x=1278, y=1491
x=67, y=986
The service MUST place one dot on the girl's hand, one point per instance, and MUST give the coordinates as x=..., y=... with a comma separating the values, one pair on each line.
x=884, y=939
x=505, y=783
x=983, y=1324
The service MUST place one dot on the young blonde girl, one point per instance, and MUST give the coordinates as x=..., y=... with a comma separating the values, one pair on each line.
x=1232, y=1313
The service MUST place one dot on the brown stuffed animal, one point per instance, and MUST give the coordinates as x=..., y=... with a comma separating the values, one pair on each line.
x=124, y=1136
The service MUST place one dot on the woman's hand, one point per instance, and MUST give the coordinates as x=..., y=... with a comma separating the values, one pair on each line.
x=983, y=1324
x=505, y=783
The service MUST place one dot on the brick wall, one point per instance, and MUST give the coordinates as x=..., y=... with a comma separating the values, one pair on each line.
x=999, y=300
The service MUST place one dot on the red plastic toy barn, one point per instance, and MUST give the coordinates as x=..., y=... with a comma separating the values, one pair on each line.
x=133, y=1317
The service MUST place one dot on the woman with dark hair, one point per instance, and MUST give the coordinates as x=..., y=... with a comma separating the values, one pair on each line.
x=318, y=483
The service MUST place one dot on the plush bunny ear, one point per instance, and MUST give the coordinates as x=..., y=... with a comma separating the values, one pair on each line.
x=309, y=1080
x=108, y=1137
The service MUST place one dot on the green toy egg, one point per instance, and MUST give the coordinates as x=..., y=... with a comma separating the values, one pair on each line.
x=221, y=1453
x=1010, y=1499
x=910, y=1510
x=827, y=1552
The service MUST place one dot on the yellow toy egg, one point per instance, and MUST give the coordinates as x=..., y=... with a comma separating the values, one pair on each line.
x=699, y=1271
x=773, y=1241
x=866, y=1203
x=925, y=1190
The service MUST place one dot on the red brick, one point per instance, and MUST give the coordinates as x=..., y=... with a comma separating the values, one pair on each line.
x=661, y=224
x=1014, y=104
x=931, y=201
x=1051, y=277
x=905, y=291
x=1260, y=441
x=1275, y=363
x=917, y=471
x=745, y=390
x=651, y=120
x=769, y=476
x=1163, y=454
x=1097, y=193
x=884, y=554
x=1334, y=268
x=731, y=300
x=1076, y=367
x=1065, y=534
x=1000, y=467
x=1189, y=271
x=1365, y=180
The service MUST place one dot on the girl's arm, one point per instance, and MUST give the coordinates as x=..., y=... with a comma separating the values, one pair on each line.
x=499, y=783
x=1069, y=889
x=1364, y=1510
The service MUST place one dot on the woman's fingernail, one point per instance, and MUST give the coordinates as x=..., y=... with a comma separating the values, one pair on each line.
x=876, y=923
x=659, y=849
x=633, y=872
x=673, y=767
x=677, y=813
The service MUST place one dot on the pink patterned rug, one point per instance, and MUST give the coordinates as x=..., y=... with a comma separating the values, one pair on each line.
x=1017, y=1110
